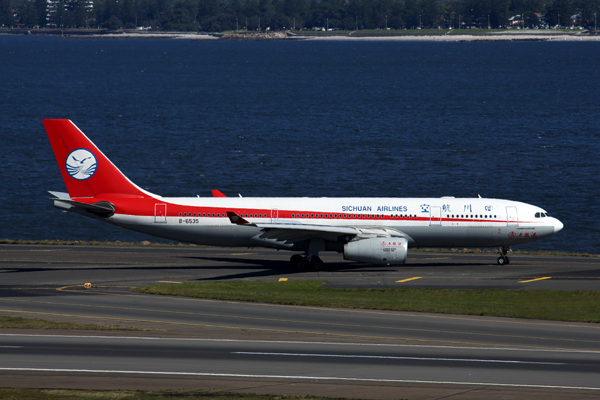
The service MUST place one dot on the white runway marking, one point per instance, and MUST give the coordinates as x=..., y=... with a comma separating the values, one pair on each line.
x=397, y=358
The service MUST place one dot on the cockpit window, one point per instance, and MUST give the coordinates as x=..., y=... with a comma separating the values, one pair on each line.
x=541, y=215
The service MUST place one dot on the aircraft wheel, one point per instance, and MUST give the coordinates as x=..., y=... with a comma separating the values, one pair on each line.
x=501, y=260
x=317, y=263
x=298, y=262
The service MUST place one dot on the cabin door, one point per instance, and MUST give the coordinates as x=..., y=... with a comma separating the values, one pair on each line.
x=160, y=213
x=435, y=215
x=274, y=215
x=512, y=218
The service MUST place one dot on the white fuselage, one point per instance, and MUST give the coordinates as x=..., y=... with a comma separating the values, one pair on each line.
x=424, y=222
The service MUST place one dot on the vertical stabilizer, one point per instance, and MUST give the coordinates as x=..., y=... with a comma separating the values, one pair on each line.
x=87, y=172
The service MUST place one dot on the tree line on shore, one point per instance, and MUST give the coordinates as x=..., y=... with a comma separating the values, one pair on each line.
x=221, y=15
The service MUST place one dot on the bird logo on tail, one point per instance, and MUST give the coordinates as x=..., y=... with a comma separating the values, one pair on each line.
x=81, y=164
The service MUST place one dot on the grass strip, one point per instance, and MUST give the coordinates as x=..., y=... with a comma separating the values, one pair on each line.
x=49, y=394
x=8, y=322
x=578, y=306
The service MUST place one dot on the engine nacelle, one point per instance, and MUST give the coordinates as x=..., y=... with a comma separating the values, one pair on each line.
x=381, y=250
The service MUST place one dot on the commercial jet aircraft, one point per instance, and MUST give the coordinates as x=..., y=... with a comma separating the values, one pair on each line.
x=370, y=230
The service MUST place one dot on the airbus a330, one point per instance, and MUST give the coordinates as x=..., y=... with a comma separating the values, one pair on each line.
x=369, y=230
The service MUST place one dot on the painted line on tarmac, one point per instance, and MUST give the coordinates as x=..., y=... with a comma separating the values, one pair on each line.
x=537, y=279
x=315, y=378
x=395, y=358
x=410, y=279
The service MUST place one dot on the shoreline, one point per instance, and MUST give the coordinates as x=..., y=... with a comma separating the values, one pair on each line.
x=449, y=36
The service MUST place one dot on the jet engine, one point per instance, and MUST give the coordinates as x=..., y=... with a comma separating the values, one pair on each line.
x=380, y=250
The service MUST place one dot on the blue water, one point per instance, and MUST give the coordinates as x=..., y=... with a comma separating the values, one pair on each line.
x=518, y=120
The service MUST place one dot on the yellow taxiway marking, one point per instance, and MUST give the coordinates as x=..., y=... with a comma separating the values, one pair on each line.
x=410, y=279
x=283, y=279
x=168, y=282
x=536, y=279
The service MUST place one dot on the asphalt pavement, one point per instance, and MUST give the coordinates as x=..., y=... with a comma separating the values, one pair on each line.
x=262, y=348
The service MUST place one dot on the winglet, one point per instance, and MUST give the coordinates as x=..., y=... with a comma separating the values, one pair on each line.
x=236, y=219
x=217, y=193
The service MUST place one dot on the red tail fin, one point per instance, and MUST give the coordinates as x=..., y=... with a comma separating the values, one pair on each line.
x=86, y=171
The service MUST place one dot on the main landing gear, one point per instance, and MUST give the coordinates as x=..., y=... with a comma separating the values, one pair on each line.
x=503, y=259
x=301, y=262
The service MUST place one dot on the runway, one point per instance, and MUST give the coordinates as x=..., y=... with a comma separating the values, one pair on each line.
x=263, y=348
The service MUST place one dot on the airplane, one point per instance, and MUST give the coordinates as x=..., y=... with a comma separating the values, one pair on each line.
x=369, y=230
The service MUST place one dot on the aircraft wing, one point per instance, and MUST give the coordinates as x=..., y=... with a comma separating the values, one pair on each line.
x=292, y=231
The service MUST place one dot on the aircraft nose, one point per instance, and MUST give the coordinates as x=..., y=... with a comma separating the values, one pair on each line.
x=557, y=225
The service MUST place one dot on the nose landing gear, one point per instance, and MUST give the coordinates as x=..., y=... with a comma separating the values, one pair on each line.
x=503, y=259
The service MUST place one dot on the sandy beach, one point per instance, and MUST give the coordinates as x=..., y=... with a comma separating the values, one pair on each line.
x=495, y=37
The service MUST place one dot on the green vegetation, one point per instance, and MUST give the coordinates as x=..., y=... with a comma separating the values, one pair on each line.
x=7, y=322
x=536, y=304
x=48, y=394
x=224, y=15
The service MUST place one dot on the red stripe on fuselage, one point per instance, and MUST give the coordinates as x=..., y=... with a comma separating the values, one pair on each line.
x=145, y=206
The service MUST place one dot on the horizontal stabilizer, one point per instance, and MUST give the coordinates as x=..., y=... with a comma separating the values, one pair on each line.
x=60, y=195
x=103, y=209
